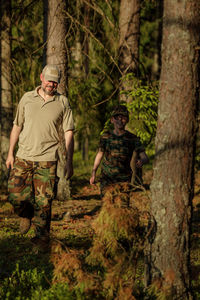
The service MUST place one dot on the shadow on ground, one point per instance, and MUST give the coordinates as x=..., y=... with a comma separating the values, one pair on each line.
x=89, y=213
x=17, y=250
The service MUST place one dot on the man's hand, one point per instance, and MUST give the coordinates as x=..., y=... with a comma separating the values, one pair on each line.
x=15, y=132
x=92, y=179
x=10, y=161
x=143, y=159
x=139, y=163
x=69, y=171
x=97, y=161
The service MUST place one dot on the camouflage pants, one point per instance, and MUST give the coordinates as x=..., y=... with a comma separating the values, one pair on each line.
x=31, y=191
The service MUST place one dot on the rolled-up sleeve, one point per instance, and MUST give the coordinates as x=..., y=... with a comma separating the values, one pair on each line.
x=68, y=121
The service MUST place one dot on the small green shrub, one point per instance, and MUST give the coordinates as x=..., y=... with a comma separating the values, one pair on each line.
x=143, y=106
x=31, y=284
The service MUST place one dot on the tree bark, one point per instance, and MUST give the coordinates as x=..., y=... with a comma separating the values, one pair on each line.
x=6, y=97
x=129, y=28
x=172, y=185
x=85, y=137
x=76, y=71
x=129, y=33
x=56, y=53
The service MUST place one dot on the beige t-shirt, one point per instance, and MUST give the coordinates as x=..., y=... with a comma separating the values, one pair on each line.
x=40, y=121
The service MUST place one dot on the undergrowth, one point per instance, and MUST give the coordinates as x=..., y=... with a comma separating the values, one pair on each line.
x=110, y=266
x=102, y=259
x=32, y=285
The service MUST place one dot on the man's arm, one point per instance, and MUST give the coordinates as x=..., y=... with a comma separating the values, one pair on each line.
x=69, y=144
x=97, y=162
x=142, y=159
x=14, y=136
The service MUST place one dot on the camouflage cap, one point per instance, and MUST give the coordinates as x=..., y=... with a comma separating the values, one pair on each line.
x=120, y=110
x=51, y=73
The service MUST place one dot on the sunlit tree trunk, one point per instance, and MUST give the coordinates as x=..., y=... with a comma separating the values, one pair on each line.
x=172, y=185
x=129, y=33
x=6, y=98
x=56, y=53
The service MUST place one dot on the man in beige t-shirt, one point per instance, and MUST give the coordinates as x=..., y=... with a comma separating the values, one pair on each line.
x=40, y=114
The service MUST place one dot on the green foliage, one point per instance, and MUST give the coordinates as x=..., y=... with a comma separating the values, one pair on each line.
x=92, y=95
x=83, y=94
x=107, y=126
x=31, y=284
x=27, y=46
x=90, y=89
x=143, y=109
x=21, y=284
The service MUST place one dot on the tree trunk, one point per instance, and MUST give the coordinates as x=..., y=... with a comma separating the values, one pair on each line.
x=85, y=138
x=172, y=185
x=76, y=71
x=129, y=28
x=6, y=98
x=56, y=53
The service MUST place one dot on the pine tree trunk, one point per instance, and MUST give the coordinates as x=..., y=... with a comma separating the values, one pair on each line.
x=76, y=71
x=129, y=27
x=85, y=137
x=6, y=97
x=172, y=185
x=56, y=53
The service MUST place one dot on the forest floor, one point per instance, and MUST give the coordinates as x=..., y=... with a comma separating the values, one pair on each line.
x=71, y=229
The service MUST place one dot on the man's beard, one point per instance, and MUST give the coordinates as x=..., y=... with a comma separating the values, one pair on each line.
x=49, y=93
